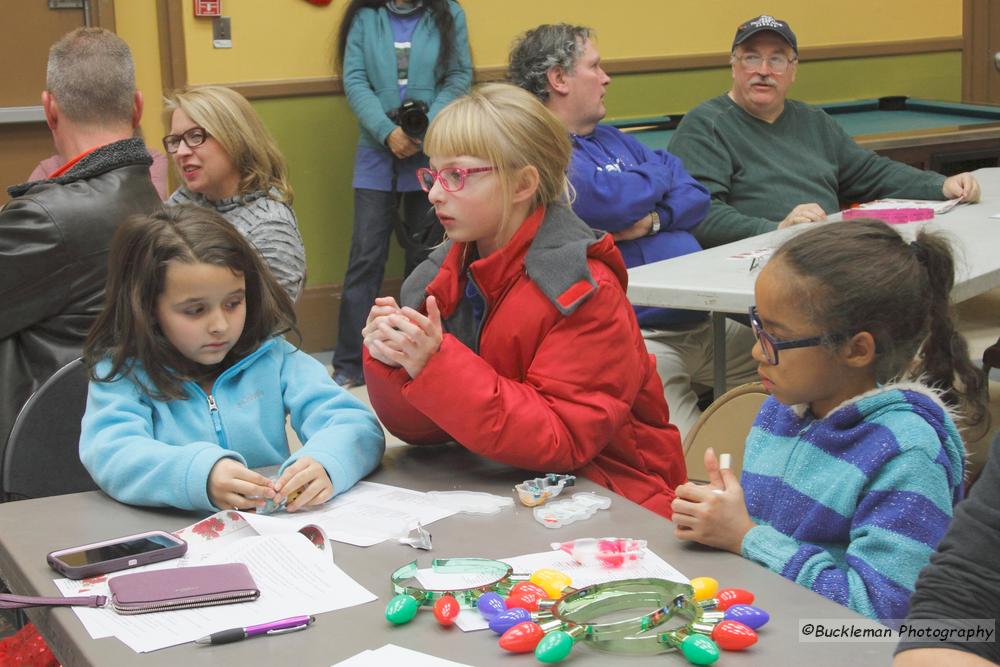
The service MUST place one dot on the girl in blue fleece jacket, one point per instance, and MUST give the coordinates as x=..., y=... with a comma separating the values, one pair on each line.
x=854, y=462
x=191, y=380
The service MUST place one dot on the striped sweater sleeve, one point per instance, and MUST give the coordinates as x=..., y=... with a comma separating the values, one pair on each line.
x=901, y=515
x=271, y=226
x=268, y=224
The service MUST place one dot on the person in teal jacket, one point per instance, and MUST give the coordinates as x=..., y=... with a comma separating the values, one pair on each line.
x=402, y=61
x=191, y=381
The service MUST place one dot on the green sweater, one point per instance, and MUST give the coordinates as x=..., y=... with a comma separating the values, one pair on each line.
x=757, y=172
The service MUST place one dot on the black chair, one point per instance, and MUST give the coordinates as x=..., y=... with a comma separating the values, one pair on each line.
x=42, y=457
x=991, y=358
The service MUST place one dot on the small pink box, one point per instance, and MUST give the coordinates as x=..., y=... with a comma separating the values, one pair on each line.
x=893, y=216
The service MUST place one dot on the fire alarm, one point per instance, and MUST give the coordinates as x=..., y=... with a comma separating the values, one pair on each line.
x=208, y=7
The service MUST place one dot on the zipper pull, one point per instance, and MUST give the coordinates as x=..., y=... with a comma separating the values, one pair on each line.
x=213, y=409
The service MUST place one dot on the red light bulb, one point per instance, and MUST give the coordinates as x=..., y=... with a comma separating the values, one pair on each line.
x=446, y=608
x=727, y=597
x=522, y=638
x=525, y=599
x=528, y=586
x=733, y=636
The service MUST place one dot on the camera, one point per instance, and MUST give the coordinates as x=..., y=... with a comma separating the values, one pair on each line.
x=411, y=116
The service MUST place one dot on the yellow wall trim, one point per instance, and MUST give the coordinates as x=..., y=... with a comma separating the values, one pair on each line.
x=328, y=85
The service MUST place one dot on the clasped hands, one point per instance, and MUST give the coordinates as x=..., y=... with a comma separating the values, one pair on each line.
x=714, y=514
x=232, y=485
x=403, y=337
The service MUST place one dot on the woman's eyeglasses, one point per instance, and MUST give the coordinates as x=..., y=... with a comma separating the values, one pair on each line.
x=769, y=345
x=452, y=179
x=193, y=137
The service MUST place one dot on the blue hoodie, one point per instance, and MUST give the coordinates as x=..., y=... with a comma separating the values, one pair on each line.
x=852, y=505
x=618, y=180
x=148, y=452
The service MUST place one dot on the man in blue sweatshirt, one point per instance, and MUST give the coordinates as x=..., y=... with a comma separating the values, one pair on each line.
x=644, y=198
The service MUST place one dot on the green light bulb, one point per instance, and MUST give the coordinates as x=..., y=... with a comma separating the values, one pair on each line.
x=401, y=609
x=699, y=650
x=554, y=647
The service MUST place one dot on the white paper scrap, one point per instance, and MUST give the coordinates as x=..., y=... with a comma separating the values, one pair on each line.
x=390, y=654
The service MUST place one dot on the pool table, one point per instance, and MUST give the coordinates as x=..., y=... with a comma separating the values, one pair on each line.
x=947, y=137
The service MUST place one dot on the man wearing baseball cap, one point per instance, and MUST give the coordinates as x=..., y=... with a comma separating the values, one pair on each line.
x=770, y=162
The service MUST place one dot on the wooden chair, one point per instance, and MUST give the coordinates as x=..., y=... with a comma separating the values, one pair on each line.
x=42, y=457
x=724, y=426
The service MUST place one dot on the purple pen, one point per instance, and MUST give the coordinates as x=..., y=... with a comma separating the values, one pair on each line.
x=292, y=624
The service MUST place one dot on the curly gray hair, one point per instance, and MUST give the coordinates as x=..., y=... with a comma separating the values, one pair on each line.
x=540, y=49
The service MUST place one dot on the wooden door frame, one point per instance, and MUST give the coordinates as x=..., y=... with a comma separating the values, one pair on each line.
x=103, y=14
x=173, y=60
x=975, y=38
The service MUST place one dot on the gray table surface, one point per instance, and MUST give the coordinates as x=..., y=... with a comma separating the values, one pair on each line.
x=30, y=529
x=710, y=281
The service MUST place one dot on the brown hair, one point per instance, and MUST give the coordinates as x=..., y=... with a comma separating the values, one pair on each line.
x=863, y=276
x=126, y=331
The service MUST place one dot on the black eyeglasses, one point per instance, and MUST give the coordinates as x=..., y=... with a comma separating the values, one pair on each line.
x=193, y=137
x=769, y=345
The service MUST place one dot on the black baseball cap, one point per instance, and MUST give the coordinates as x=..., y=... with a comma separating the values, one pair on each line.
x=762, y=23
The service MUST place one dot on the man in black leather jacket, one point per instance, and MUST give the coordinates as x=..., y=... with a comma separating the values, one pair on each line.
x=55, y=233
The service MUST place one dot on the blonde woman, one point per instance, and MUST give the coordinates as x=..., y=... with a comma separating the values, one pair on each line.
x=515, y=337
x=229, y=162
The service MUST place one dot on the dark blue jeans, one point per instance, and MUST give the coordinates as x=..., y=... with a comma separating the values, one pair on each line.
x=376, y=215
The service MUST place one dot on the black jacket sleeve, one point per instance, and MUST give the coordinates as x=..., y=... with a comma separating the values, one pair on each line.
x=963, y=579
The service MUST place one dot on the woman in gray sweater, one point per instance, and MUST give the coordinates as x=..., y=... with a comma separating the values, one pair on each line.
x=230, y=162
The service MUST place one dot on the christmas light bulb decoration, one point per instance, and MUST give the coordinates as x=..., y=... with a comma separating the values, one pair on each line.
x=727, y=597
x=501, y=623
x=733, y=636
x=552, y=582
x=750, y=616
x=446, y=608
x=699, y=649
x=401, y=609
x=522, y=638
x=705, y=588
x=554, y=647
x=490, y=604
x=525, y=598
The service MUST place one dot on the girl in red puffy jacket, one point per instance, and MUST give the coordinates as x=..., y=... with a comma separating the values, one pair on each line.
x=515, y=337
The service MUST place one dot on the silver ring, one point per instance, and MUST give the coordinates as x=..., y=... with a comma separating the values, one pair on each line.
x=236, y=508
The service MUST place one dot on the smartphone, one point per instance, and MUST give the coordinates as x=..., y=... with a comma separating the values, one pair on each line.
x=121, y=553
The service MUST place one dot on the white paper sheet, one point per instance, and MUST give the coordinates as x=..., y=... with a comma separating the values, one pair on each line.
x=293, y=576
x=367, y=514
x=651, y=566
x=390, y=654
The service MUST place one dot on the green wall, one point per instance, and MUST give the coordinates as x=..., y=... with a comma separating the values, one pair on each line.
x=318, y=133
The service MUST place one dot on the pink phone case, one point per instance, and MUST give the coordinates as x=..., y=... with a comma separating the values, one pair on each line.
x=179, y=548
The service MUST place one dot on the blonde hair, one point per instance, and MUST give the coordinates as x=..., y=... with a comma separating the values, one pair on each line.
x=229, y=119
x=509, y=128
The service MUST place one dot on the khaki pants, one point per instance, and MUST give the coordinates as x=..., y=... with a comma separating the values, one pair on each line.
x=684, y=357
